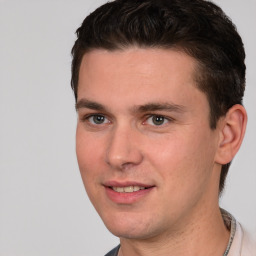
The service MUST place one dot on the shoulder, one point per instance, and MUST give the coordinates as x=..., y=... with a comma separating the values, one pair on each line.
x=113, y=252
x=243, y=243
x=248, y=243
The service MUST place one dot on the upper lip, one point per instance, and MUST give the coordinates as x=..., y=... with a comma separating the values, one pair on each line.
x=114, y=183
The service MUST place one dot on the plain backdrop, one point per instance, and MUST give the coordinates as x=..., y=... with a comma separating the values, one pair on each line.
x=44, y=209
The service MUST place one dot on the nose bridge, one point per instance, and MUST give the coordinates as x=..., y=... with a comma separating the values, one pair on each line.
x=123, y=147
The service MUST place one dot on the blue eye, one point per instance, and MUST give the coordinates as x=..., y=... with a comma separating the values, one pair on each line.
x=98, y=119
x=157, y=120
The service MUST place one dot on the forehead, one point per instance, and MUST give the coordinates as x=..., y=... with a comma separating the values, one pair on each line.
x=139, y=74
x=139, y=61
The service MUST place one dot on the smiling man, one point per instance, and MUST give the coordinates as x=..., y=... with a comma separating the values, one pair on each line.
x=159, y=88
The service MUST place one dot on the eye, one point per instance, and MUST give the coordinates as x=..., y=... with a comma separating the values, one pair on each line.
x=97, y=119
x=157, y=120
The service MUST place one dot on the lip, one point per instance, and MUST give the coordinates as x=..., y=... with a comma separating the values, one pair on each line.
x=127, y=198
x=126, y=184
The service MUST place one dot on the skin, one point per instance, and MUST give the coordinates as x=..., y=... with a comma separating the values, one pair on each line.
x=180, y=157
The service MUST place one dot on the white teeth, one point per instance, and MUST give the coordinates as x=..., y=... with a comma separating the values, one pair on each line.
x=136, y=188
x=119, y=189
x=128, y=189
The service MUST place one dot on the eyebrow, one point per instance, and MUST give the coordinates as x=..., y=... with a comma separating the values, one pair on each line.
x=171, y=107
x=84, y=103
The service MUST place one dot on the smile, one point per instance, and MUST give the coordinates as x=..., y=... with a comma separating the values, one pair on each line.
x=127, y=193
x=128, y=189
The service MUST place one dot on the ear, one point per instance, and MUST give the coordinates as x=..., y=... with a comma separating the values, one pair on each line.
x=232, y=129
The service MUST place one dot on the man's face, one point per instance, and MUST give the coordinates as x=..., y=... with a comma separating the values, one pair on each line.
x=144, y=146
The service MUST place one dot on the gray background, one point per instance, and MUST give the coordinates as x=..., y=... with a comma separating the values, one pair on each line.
x=43, y=206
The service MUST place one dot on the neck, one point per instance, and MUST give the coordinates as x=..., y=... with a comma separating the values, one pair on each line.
x=206, y=235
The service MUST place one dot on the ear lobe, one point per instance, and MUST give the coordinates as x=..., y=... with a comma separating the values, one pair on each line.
x=232, y=129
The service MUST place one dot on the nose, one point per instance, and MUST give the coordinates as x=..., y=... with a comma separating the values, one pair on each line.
x=123, y=148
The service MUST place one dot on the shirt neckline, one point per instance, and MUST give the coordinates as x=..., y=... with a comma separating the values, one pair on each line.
x=230, y=223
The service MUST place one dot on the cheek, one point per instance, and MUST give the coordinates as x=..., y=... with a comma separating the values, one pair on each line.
x=183, y=159
x=184, y=166
x=89, y=153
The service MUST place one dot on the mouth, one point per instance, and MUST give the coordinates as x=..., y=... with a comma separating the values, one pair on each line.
x=128, y=189
x=127, y=192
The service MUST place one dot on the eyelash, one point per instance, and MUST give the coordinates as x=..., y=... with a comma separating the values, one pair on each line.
x=161, y=117
x=86, y=118
x=146, y=118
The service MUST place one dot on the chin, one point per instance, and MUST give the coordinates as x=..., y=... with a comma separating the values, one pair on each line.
x=129, y=233
x=131, y=227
